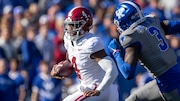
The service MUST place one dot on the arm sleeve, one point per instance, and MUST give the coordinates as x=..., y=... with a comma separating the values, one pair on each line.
x=109, y=66
x=126, y=69
x=173, y=26
x=35, y=86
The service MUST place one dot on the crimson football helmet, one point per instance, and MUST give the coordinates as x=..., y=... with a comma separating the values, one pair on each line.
x=78, y=22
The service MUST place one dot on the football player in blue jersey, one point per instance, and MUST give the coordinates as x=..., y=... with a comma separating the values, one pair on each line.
x=143, y=39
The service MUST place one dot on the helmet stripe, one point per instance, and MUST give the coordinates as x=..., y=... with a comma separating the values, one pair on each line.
x=135, y=6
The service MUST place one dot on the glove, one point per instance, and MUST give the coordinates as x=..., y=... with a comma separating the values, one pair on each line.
x=114, y=46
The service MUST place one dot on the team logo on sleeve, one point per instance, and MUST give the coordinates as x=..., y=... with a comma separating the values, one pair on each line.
x=122, y=39
x=84, y=14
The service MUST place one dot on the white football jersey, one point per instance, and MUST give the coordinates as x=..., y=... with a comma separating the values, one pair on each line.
x=87, y=69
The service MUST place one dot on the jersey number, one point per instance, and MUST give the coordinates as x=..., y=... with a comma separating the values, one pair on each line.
x=163, y=46
x=75, y=67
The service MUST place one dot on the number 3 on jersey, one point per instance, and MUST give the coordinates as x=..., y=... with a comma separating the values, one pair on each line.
x=163, y=46
x=75, y=67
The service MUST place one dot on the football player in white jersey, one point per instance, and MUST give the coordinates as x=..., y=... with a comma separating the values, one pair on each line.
x=95, y=70
x=143, y=38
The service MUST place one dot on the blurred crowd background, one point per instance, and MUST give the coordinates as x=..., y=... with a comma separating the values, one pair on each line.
x=31, y=42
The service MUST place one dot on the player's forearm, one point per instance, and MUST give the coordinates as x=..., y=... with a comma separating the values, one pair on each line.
x=109, y=66
x=107, y=81
x=126, y=69
x=22, y=95
x=34, y=96
x=172, y=26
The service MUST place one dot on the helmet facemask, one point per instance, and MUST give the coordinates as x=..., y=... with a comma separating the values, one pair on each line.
x=121, y=27
x=74, y=29
x=77, y=23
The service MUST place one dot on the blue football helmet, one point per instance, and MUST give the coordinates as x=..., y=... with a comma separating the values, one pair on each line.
x=126, y=14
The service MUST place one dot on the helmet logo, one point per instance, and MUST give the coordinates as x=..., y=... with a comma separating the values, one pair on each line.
x=84, y=14
x=119, y=12
x=68, y=19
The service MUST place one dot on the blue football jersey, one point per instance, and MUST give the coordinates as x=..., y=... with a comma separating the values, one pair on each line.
x=49, y=89
x=7, y=89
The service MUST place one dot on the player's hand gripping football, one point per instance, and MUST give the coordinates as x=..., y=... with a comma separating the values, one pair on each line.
x=92, y=93
x=55, y=73
x=62, y=70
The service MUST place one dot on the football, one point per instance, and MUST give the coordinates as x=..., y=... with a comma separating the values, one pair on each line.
x=64, y=68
